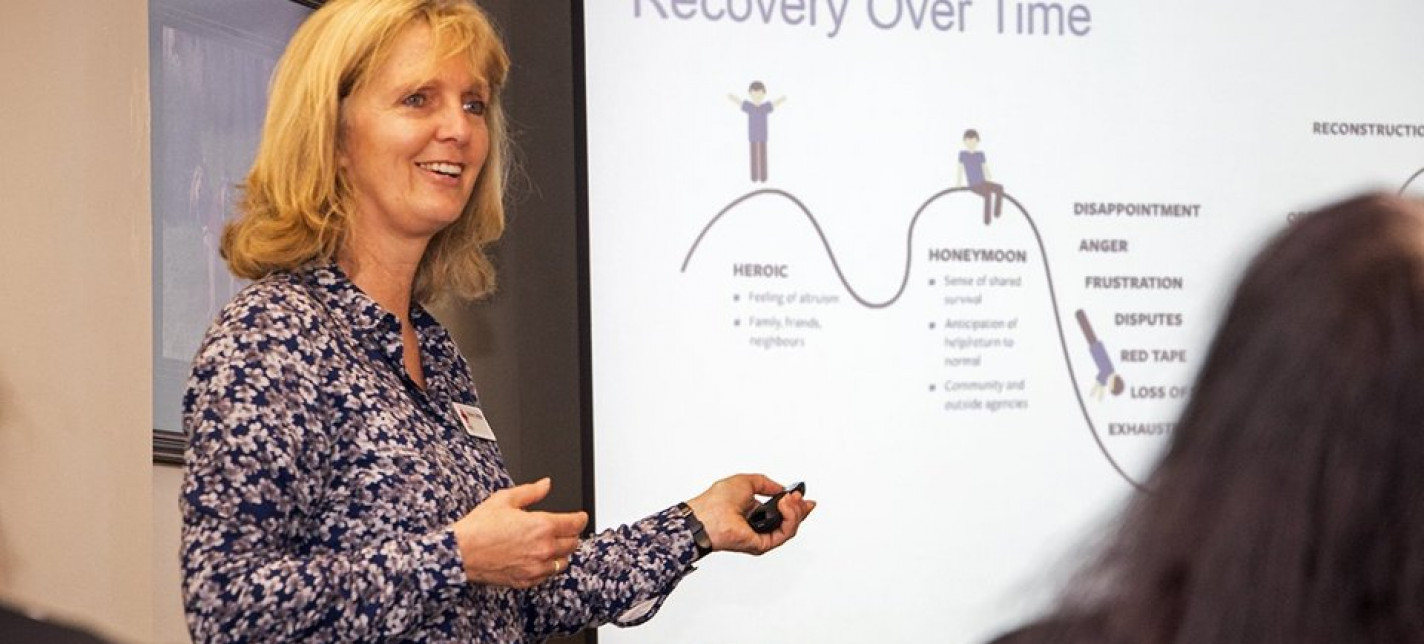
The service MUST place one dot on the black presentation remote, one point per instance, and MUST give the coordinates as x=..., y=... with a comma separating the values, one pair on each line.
x=766, y=517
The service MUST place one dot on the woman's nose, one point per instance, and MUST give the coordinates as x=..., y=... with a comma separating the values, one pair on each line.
x=454, y=123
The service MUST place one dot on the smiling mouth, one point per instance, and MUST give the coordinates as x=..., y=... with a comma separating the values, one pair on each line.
x=442, y=168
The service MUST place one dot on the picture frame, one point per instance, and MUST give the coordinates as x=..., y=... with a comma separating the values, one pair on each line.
x=209, y=66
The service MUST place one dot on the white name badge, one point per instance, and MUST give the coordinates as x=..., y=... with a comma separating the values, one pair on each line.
x=474, y=421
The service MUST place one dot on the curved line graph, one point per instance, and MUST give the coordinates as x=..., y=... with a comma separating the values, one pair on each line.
x=909, y=247
x=1410, y=182
x=910, y=238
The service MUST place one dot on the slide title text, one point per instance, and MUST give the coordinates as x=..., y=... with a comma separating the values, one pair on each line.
x=1003, y=17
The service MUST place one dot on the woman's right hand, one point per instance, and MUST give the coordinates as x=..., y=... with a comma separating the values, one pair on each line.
x=723, y=508
x=503, y=544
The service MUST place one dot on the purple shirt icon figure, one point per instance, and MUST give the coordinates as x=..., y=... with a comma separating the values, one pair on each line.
x=1107, y=378
x=757, y=109
x=974, y=166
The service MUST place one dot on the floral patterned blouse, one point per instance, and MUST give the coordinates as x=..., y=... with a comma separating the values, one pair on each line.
x=320, y=483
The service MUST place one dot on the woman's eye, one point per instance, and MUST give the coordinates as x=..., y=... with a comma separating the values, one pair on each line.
x=475, y=106
x=414, y=100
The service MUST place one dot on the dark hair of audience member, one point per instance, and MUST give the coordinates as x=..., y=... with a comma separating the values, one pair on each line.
x=1289, y=506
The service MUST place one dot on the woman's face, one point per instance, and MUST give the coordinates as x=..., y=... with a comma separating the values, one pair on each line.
x=413, y=140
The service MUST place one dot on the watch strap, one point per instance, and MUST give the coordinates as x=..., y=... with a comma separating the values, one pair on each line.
x=699, y=531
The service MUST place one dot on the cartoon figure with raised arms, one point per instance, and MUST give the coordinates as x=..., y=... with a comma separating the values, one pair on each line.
x=974, y=165
x=757, y=108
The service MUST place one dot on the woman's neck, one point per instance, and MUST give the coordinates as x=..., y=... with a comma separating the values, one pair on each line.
x=386, y=274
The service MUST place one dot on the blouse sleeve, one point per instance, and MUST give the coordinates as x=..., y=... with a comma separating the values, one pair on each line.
x=255, y=418
x=620, y=576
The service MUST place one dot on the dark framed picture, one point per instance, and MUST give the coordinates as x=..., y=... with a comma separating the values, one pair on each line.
x=209, y=66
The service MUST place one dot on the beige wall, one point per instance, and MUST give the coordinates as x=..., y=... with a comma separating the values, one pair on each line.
x=168, y=624
x=75, y=474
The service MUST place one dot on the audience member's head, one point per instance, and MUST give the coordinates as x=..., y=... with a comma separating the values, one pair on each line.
x=19, y=627
x=1289, y=505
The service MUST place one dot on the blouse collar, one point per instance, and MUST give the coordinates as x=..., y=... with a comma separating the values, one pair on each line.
x=374, y=328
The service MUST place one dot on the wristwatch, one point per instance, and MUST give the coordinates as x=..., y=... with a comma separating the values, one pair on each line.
x=699, y=531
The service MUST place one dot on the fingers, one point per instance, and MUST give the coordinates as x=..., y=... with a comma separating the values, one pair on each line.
x=552, y=559
x=566, y=524
x=722, y=510
x=762, y=484
x=791, y=511
x=556, y=562
x=794, y=510
x=562, y=539
x=565, y=547
x=504, y=544
x=523, y=496
x=538, y=572
x=552, y=545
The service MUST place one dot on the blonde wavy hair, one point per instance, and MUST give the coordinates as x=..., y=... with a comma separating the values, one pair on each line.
x=296, y=203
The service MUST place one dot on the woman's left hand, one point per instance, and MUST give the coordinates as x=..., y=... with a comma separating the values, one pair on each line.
x=723, y=509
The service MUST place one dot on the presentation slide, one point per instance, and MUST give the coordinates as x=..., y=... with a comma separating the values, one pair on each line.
x=953, y=263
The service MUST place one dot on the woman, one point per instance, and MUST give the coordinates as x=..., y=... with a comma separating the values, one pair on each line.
x=341, y=485
x=1289, y=506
